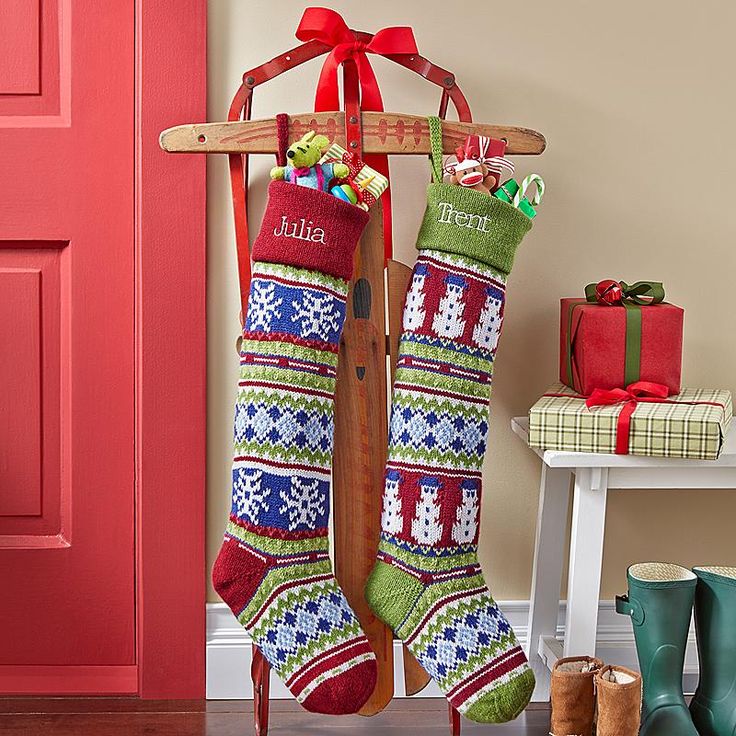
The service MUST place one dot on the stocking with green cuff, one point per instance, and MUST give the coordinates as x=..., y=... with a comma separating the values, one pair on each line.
x=427, y=584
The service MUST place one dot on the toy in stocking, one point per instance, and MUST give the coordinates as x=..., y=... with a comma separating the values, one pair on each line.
x=479, y=164
x=362, y=185
x=304, y=167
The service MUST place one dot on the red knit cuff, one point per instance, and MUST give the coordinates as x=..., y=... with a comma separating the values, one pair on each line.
x=309, y=229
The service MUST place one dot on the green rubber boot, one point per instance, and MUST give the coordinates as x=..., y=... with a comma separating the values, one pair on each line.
x=660, y=603
x=714, y=706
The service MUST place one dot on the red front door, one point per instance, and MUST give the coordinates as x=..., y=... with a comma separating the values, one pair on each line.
x=67, y=503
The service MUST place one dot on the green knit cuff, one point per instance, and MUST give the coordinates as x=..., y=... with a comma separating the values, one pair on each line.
x=469, y=223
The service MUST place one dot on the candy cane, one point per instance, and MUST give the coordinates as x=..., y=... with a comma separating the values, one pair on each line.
x=528, y=181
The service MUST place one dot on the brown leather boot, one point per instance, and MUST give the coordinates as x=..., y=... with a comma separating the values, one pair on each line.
x=619, y=701
x=573, y=696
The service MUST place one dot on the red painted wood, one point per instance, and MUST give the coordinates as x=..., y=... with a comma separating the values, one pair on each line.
x=36, y=66
x=67, y=564
x=102, y=260
x=260, y=673
x=171, y=352
x=20, y=399
x=20, y=42
x=69, y=680
x=454, y=717
x=34, y=497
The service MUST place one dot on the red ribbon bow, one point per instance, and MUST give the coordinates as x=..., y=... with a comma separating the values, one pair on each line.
x=327, y=26
x=631, y=395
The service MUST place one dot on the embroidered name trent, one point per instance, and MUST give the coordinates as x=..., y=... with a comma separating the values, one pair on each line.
x=451, y=216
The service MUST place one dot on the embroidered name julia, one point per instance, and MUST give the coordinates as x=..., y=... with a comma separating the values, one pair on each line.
x=450, y=216
x=300, y=229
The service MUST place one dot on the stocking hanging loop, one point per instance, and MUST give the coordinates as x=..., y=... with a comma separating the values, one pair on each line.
x=282, y=132
x=435, y=141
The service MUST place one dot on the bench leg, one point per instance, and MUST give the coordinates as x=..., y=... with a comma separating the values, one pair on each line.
x=586, y=557
x=549, y=559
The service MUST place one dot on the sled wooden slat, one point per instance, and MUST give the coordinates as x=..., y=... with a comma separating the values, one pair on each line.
x=383, y=132
x=397, y=280
x=360, y=447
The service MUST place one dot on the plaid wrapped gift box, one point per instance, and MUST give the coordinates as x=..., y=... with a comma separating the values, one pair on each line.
x=691, y=424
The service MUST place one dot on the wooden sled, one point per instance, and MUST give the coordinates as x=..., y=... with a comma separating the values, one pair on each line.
x=369, y=335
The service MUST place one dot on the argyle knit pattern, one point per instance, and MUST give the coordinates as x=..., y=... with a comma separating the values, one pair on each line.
x=273, y=569
x=427, y=584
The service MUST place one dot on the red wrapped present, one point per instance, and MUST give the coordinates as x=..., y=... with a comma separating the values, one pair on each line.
x=620, y=334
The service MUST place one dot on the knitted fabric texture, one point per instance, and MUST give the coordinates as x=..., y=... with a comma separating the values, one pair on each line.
x=309, y=229
x=273, y=569
x=427, y=584
x=465, y=222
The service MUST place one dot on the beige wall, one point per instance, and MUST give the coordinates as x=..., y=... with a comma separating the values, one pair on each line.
x=636, y=101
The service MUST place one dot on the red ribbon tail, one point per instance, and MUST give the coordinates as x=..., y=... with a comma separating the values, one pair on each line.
x=327, y=96
x=370, y=95
x=623, y=427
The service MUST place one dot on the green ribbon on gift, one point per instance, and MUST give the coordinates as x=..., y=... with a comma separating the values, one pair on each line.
x=633, y=298
x=639, y=293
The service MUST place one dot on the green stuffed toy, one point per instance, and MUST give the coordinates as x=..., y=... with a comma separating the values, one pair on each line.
x=304, y=168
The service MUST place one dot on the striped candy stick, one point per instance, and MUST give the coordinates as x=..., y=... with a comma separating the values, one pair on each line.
x=525, y=184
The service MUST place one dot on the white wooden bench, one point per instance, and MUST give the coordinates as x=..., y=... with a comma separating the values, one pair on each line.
x=595, y=475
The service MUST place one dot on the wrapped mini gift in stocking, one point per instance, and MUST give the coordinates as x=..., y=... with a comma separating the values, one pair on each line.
x=273, y=568
x=427, y=584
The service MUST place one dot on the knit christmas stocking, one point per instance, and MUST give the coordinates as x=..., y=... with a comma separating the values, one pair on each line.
x=273, y=568
x=427, y=584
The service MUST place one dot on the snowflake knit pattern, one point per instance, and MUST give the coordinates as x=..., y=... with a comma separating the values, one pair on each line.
x=273, y=569
x=427, y=584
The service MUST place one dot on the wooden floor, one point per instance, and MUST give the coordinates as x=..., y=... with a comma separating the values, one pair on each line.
x=130, y=717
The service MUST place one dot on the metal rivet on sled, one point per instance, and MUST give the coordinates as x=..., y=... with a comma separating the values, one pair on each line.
x=448, y=81
x=353, y=120
x=250, y=80
x=353, y=144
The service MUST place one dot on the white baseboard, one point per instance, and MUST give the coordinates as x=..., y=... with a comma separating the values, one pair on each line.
x=229, y=651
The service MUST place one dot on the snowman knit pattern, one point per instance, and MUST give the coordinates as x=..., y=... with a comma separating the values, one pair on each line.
x=427, y=584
